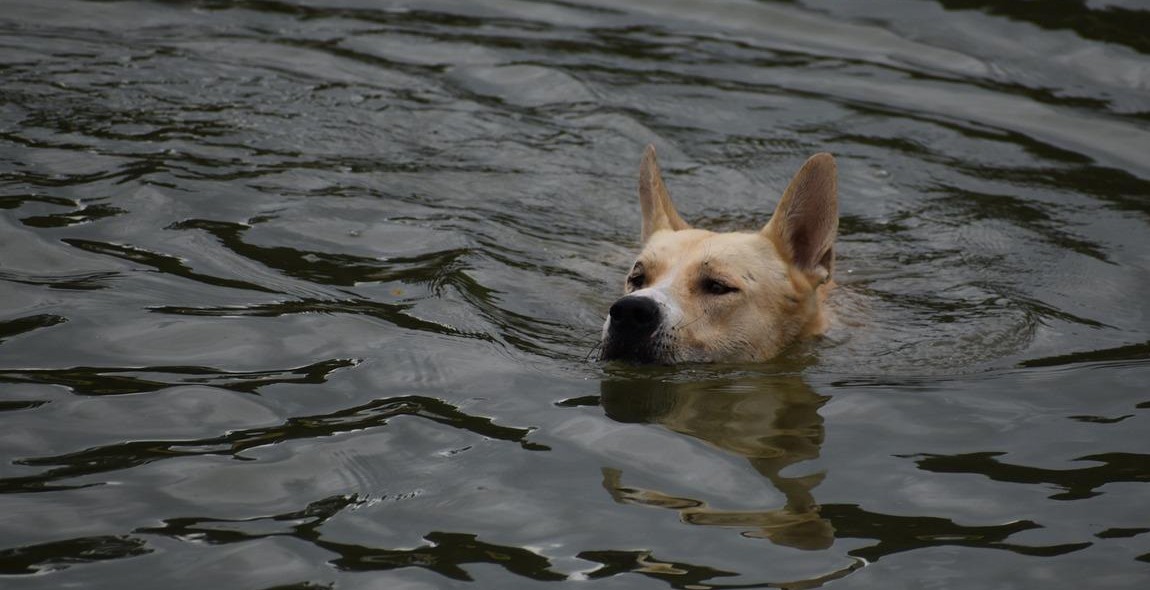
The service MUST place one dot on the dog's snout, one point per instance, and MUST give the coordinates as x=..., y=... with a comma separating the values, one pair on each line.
x=638, y=316
x=632, y=330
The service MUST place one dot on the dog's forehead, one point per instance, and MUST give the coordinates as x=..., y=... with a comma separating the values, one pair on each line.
x=674, y=245
x=666, y=250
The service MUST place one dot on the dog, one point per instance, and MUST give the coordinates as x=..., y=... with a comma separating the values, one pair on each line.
x=696, y=296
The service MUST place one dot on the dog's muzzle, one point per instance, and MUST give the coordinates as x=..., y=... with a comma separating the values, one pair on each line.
x=632, y=330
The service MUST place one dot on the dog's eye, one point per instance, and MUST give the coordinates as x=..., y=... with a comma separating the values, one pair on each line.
x=715, y=287
x=637, y=280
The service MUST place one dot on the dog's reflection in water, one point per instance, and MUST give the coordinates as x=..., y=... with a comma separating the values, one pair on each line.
x=773, y=421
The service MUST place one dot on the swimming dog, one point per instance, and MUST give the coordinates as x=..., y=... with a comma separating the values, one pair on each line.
x=699, y=296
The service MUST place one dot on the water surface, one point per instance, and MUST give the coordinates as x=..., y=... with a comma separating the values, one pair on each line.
x=305, y=295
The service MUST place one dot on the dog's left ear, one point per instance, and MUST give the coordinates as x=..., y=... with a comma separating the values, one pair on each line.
x=805, y=223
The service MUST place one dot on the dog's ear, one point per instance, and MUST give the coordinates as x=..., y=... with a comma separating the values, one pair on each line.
x=658, y=210
x=805, y=223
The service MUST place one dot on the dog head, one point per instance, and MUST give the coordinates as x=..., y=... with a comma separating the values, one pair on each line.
x=700, y=296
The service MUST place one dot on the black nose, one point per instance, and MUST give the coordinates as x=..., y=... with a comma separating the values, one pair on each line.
x=635, y=316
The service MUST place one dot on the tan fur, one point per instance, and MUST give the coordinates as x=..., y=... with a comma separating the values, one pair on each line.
x=658, y=211
x=779, y=276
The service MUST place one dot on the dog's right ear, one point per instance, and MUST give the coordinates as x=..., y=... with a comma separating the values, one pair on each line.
x=658, y=210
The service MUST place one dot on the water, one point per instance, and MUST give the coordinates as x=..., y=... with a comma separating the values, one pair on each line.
x=302, y=295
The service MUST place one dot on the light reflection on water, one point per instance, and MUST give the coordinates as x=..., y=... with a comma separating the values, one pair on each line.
x=302, y=295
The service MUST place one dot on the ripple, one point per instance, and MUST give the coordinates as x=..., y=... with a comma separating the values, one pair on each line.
x=896, y=534
x=1076, y=484
x=1132, y=352
x=47, y=557
x=128, y=380
x=86, y=214
x=434, y=268
x=396, y=314
x=15, y=327
x=375, y=414
x=162, y=262
x=87, y=281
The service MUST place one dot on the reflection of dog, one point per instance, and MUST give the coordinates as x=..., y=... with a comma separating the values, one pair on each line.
x=772, y=421
x=700, y=296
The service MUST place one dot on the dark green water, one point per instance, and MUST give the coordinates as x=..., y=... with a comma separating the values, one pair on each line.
x=301, y=294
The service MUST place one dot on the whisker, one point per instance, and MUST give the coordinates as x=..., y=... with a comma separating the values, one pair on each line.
x=594, y=349
x=684, y=325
